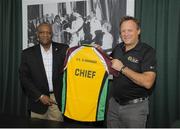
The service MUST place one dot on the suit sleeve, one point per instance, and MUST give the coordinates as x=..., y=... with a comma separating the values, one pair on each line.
x=26, y=79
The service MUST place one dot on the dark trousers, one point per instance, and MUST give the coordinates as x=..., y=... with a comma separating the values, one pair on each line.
x=127, y=116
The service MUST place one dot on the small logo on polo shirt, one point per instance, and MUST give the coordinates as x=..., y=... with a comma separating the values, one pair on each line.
x=133, y=59
x=151, y=67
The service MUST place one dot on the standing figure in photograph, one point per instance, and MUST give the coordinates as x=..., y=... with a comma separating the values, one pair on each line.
x=107, y=39
x=136, y=63
x=66, y=36
x=41, y=75
x=95, y=24
x=76, y=30
x=56, y=29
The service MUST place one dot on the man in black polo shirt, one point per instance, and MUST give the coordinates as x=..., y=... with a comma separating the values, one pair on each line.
x=136, y=63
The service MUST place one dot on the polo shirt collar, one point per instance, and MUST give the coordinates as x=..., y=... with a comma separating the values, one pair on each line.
x=136, y=48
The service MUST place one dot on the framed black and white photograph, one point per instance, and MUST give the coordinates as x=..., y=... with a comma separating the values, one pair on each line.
x=76, y=22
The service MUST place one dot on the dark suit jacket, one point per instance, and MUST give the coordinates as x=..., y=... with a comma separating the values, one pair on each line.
x=33, y=77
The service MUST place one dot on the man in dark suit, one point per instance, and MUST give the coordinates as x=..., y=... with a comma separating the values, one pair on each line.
x=41, y=75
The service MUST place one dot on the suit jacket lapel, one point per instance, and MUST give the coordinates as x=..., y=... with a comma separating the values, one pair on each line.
x=40, y=62
x=54, y=53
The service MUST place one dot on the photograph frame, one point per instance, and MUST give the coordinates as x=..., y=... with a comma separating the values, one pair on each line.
x=26, y=3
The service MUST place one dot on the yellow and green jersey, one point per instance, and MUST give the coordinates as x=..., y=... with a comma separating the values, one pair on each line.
x=85, y=84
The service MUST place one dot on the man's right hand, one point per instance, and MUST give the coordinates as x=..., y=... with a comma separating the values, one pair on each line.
x=46, y=100
x=116, y=64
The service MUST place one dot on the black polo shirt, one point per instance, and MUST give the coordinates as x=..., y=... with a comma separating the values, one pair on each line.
x=141, y=58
